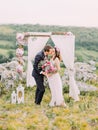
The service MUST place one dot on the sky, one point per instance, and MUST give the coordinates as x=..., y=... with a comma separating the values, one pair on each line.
x=50, y=12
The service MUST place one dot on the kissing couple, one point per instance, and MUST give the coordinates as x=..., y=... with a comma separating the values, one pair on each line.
x=49, y=68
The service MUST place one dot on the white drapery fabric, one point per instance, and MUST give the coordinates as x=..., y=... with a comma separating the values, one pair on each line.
x=35, y=44
x=66, y=44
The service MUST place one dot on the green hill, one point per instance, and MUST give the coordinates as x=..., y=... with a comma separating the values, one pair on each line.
x=86, y=44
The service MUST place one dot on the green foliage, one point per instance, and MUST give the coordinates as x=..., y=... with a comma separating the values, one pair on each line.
x=96, y=65
x=84, y=55
x=2, y=88
x=80, y=58
x=11, y=54
x=65, y=89
x=4, y=59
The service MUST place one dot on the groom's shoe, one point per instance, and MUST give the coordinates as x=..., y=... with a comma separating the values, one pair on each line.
x=37, y=104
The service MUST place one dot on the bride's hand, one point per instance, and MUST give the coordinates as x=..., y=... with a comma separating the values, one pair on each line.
x=44, y=73
x=49, y=74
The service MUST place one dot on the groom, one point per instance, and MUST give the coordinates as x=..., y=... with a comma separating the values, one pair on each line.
x=38, y=74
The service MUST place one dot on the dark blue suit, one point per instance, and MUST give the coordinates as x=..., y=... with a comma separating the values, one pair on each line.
x=39, y=78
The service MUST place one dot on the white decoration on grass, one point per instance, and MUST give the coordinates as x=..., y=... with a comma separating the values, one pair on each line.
x=13, y=97
x=20, y=94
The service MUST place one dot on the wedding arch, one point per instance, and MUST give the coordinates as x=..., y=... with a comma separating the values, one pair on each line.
x=35, y=41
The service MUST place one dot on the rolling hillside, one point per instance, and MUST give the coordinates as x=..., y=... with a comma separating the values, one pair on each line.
x=86, y=44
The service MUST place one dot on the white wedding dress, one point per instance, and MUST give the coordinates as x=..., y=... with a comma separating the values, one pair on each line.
x=55, y=85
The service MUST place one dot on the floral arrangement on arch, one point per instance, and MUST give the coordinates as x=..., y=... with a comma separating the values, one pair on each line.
x=19, y=52
x=19, y=69
x=19, y=55
x=69, y=33
x=21, y=39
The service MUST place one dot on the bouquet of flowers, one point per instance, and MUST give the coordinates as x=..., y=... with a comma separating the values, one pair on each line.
x=48, y=67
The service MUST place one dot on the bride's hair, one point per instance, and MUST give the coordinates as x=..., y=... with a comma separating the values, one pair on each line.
x=57, y=53
x=47, y=48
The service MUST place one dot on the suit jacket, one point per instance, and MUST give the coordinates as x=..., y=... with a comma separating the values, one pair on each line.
x=38, y=58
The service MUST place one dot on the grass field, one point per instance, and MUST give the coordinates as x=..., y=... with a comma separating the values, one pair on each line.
x=82, y=115
x=6, y=44
x=5, y=51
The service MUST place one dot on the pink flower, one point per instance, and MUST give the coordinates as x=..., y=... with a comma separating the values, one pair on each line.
x=69, y=33
x=19, y=69
x=20, y=38
x=19, y=52
x=48, y=67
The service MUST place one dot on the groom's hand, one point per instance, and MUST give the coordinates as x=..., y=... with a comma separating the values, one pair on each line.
x=42, y=72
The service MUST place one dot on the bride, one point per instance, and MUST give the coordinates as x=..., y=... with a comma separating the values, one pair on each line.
x=54, y=80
